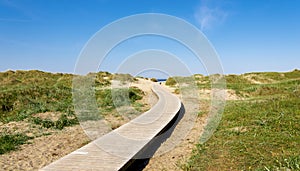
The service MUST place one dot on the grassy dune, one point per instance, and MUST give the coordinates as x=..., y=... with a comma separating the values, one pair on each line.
x=23, y=94
x=260, y=132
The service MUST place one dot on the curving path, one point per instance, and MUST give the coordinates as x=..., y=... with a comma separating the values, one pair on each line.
x=115, y=150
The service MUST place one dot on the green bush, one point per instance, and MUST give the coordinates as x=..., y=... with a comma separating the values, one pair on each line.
x=135, y=94
x=64, y=121
x=171, y=81
x=153, y=80
x=177, y=91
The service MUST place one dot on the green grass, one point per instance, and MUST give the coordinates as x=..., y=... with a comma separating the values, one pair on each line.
x=172, y=81
x=9, y=142
x=108, y=99
x=62, y=122
x=261, y=132
x=123, y=78
x=25, y=93
x=274, y=76
x=289, y=163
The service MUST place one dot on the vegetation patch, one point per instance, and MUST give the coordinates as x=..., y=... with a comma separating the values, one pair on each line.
x=110, y=99
x=62, y=122
x=171, y=81
x=124, y=78
x=44, y=100
x=154, y=80
x=24, y=93
x=261, y=132
x=9, y=142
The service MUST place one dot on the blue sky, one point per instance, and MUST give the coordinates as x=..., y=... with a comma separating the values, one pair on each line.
x=248, y=35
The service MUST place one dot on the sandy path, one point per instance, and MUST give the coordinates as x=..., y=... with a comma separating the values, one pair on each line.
x=181, y=152
x=150, y=98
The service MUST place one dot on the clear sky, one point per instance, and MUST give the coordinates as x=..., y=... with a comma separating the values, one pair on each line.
x=248, y=35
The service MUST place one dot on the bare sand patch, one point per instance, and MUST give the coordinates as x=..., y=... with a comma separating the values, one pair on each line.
x=44, y=150
x=54, y=116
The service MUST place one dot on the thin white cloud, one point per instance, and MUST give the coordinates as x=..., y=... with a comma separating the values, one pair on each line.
x=209, y=16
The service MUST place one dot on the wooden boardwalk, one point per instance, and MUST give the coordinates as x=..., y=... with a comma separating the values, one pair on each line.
x=114, y=150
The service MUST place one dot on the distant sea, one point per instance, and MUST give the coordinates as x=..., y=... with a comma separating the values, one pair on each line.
x=161, y=79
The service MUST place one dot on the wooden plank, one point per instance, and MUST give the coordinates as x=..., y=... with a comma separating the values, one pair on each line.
x=115, y=149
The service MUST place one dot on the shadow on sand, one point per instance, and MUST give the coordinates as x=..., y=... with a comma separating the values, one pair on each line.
x=138, y=164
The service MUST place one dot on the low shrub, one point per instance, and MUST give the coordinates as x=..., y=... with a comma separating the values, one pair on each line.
x=153, y=80
x=171, y=81
x=9, y=142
